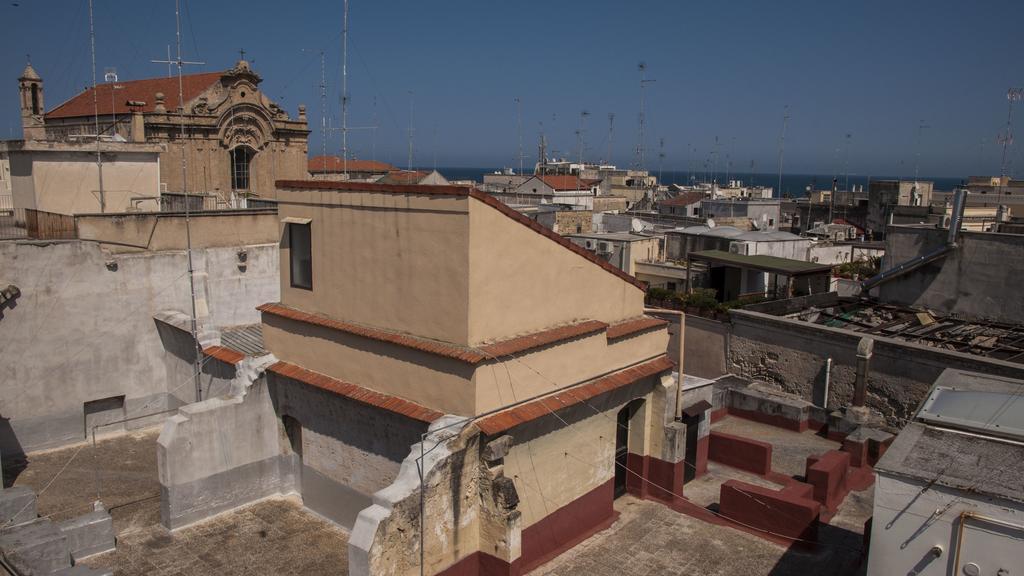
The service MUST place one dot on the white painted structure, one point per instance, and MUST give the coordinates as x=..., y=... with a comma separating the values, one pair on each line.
x=949, y=495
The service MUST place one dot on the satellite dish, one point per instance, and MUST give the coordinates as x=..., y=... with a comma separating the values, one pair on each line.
x=711, y=223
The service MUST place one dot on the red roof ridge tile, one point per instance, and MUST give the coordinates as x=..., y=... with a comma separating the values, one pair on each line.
x=634, y=326
x=534, y=409
x=224, y=354
x=467, y=354
x=388, y=402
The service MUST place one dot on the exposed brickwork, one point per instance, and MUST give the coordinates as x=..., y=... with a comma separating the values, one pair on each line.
x=529, y=411
x=358, y=393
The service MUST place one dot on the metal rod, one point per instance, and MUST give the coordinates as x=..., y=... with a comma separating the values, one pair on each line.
x=96, y=110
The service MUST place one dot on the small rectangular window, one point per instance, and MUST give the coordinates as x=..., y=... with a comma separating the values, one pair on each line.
x=300, y=252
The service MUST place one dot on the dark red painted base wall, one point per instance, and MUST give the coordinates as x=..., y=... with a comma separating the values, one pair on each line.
x=568, y=526
x=739, y=452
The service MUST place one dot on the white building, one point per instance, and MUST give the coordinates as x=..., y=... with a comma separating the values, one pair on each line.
x=949, y=495
x=549, y=189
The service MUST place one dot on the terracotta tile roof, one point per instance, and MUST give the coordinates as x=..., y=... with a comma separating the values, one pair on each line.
x=403, y=177
x=140, y=90
x=224, y=354
x=635, y=326
x=464, y=191
x=416, y=343
x=561, y=182
x=460, y=353
x=322, y=164
x=388, y=402
x=683, y=199
x=523, y=413
x=541, y=339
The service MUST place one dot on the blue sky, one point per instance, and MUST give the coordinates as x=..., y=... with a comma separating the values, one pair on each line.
x=725, y=69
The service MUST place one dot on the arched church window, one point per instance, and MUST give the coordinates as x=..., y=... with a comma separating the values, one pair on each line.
x=241, y=159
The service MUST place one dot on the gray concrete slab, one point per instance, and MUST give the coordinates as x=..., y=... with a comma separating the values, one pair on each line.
x=275, y=536
x=649, y=539
x=37, y=547
x=706, y=490
x=124, y=466
x=789, y=449
x=17, y=505
x=89, y=534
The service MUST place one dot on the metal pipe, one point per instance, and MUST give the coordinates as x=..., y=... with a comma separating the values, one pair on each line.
x=828, y=377
x=955, y=221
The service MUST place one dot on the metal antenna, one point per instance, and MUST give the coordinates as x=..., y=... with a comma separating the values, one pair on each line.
x=96, y=110
x=846, y=163
x=917, y=151
x=1006, y=139
x=344, y=93
x=184, y=189
x=519, y=132
x=611, y=130
x=323, y=110
x=661, y=157
x=782, y=144
x=640, y=147
x=409, y=165
x=579, y=137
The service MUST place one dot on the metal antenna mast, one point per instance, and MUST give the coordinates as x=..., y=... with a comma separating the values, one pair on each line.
x=323, y=110
x=519, y=132
x=661, y=157
x=409, y=163
x=184, y=189
x=846, y=163
x=344, y=93
x=611, y=130
x=96, y=111
x=579, y=137
x=782, y=145
x=640, y=147
x=1012, y=95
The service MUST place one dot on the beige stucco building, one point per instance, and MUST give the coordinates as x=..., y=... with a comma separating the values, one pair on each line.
x=64, y=177
x=236, y=143
x=525, y=365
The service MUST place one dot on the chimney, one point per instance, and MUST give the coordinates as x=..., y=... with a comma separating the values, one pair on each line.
x=138, y=127
x=865, y=349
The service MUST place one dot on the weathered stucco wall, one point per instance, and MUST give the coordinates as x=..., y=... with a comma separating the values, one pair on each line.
x=792, y=354
x=219, y=454
x=67, y=182
x=976, y=280
x=83, y=329
x=157, y=231
x=408, y=273
x=349, y=450
x=522, y=282
x=706, y=345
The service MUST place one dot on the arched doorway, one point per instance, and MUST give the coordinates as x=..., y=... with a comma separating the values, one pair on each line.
x=241, y=160
x=293, y=429
x=625, y=422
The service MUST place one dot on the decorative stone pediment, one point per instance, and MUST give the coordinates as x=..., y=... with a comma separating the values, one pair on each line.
x=244, y=129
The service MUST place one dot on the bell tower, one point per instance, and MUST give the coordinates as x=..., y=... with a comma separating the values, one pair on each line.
x=30, y=86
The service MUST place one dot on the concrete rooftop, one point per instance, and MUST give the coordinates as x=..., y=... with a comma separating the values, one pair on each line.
x=649, y=539
x=275, y=536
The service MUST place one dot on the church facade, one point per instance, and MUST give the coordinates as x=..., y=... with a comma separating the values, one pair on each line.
x=237, y=142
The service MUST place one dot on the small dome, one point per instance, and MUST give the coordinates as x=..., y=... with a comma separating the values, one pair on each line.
x=29, y=73
x=242, y=66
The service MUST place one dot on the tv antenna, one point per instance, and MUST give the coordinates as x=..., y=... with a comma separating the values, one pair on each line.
x=611, y=130
x=411, y=129
x=642, y=67
x=782, y=144
x=184, y=189
x=519, y=132
x=323, y=110
x=579, y=137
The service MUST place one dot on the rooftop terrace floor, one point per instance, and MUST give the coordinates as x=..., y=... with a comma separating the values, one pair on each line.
x=649, y=539
x=274, y=536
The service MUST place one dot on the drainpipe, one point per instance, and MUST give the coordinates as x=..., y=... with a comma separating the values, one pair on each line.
x=959, y=203
x=828, y=378
x=865, y=349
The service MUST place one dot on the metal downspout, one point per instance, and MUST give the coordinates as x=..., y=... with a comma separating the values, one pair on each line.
x=959, y=203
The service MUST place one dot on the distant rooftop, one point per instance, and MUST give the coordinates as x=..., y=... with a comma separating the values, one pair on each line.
x=771, y=264
x=615, y=236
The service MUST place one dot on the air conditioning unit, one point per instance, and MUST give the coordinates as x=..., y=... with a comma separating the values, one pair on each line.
x=741, y=248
